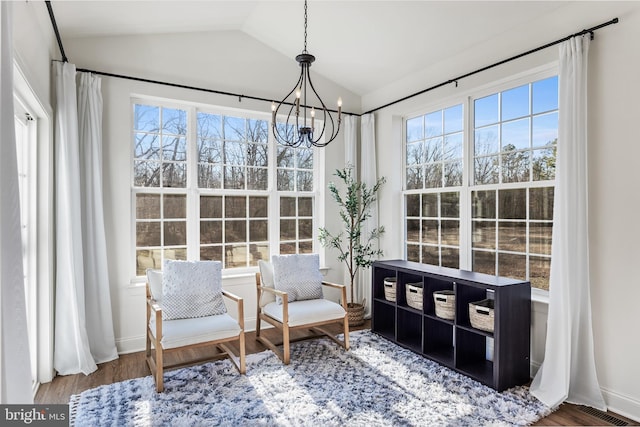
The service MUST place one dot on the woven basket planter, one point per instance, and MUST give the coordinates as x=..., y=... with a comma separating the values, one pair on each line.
x=445, y=303
x=481, y=315
x=390, y=288
x=414, y=295
x=355, y=313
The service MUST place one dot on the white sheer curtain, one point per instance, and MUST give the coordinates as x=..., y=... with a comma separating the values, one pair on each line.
x=15, y=369
x=568, y=372
x=351, y=143
x=96, y=276
x=77, y=266
x=368, y=176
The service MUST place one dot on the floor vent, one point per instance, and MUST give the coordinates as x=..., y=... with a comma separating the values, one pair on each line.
x=603, y=416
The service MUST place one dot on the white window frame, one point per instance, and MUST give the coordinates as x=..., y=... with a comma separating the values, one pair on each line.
x=193, y=193
x=468, y=186
x=27, y=173
x=41, y=219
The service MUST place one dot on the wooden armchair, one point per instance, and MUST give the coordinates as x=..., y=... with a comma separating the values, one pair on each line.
x=190, y=332
x=309, y=314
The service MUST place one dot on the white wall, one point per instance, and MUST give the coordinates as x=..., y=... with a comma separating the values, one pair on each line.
x=614, y=86
x=212, y=60
x=34, y=48
x=228, y=61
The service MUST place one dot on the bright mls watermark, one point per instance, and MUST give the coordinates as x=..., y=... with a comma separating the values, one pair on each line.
x=37, y=415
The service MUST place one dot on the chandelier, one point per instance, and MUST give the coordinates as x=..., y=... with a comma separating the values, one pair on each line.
x=299, y=128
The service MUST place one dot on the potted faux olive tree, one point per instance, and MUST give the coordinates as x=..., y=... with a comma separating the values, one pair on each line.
x=355, y=250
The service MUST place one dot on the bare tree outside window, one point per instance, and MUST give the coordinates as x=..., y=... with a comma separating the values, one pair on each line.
x=221, y=165
x=512, y=146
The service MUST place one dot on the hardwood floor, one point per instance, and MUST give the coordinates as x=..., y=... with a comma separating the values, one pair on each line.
x=133, y=365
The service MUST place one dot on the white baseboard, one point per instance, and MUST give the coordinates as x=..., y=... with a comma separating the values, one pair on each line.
x=621, y=404
x=130, y=344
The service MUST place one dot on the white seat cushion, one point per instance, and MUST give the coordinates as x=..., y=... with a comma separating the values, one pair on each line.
x=181, y=332
x=307, y=311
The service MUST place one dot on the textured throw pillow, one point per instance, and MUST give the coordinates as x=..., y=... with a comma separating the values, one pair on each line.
x=266, y=276
x=191, y=289
x=298, y=275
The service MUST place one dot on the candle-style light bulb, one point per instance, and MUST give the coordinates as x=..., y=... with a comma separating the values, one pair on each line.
x=313, y=116
x=273, y=111
x=339, y=107
x=298, y=93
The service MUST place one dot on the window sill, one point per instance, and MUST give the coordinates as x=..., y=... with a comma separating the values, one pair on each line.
x=539, y=296
x=141, y=281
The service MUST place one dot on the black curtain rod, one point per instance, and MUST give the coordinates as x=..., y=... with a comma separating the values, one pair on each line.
x=454, y=80
x=55, y=30
x=201, y=89
x=256, y=98
x=513, y=58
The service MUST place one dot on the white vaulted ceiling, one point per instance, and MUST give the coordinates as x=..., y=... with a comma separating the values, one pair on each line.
x=361, y=45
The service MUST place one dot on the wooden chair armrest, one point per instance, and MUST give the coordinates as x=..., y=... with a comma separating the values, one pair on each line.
x=343, y=289
x=281, y=294
x=240, y=303
x=334, y=285
x=285, y=301
x=153, y=304
x=231, y=296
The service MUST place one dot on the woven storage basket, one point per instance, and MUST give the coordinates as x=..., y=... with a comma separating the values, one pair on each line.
x=481, y=315
x=445, y=302
x=390, y=288
x=355, y=314
x=414, y=295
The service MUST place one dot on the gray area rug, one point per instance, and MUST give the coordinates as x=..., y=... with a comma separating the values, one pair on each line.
x=374, y=383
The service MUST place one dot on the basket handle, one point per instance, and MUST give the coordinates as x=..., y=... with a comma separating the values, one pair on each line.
x=388, y=285
x=483, y=310
x=415, y=291
x=441, y=299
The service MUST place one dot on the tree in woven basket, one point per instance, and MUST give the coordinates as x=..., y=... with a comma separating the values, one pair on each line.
x=355, y=250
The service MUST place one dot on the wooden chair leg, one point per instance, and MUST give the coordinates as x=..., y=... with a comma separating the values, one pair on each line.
x=243, y=366
x=147, y=350
x=159, y=368
x=285, y=344
x=258, y=323
x=346, y=332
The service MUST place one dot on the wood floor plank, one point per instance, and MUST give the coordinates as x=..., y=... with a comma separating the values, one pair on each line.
x=133, y=365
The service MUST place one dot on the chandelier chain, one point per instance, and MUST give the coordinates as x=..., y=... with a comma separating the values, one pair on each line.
x=299, y=128
x=305, y=27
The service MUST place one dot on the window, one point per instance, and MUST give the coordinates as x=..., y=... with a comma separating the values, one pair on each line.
x=433, y=228
x=496, y=216
x=434, y=149
x=26, y=142
x=434, y=158
x=207, y=181
x=295, y=176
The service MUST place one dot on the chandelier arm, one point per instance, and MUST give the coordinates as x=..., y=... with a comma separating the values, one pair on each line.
x=284, y=140
x=289, y=94
x=298, y=131
x=324, y=123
